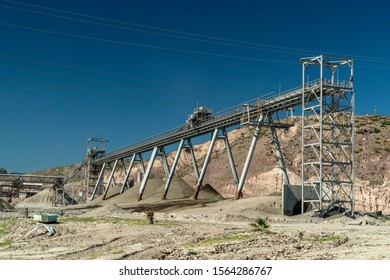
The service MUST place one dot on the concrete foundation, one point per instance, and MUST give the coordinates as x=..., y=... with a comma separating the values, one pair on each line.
x=292, y=199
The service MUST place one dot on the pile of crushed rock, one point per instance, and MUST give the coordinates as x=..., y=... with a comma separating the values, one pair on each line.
x=44, y=199
x=154, y=190
x=25, y=230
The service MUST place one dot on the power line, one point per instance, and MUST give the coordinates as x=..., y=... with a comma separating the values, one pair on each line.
x=117, y=75
x=157, y=33
x=266, y=47
x=144, y=45
x=150, y=27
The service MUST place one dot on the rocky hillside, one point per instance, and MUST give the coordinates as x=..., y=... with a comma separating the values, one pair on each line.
x=372, y=161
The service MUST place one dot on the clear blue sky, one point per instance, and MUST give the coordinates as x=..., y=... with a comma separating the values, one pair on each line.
x=126, y=70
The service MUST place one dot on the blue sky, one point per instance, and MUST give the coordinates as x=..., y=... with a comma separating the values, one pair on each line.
x=126, y=70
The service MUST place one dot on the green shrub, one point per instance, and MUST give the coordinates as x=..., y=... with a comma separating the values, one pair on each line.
x=385, y=123
x=260, y=224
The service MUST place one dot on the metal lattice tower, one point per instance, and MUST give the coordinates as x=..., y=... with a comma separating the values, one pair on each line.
x=327, y=133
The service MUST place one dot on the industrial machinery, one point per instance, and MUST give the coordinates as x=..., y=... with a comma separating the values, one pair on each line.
x=200, y=115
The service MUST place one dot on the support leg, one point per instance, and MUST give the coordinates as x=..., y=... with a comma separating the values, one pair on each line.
x=98, y=181
x=126, y=182
x=165, y=161
x=249, y=159
x=113, y=179
x=169, y=179
x=142, y=163
x=279, y=155
x=147, y=173
x=193, y=158
x=110, y=179
x=205, y=165
x=230, y=156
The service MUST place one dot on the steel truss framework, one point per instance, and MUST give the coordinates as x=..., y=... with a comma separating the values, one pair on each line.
x=16, y=183
x=327, y=133
x=186, y=144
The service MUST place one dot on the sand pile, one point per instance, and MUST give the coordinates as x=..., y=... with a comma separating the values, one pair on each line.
x=44, y=199
x=209, y=192
x=4, y=205
x=154, y=191
x=180, y=193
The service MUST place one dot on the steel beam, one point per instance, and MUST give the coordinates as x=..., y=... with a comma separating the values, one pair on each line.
x=125, y=183
x=110, y=179
x=249, y=157
x=147, y=173
x=31, y=176
x=279, y=155
x=205, y=164
x=282, y=165
x=142, y=162
x=230, y=156
x=192, y=153
x=170, y=176
x=98, y=181
x=111, y=169
x=164, y=161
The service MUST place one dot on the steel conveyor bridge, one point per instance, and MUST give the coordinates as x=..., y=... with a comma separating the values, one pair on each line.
x=228, y=118
x=328, y=101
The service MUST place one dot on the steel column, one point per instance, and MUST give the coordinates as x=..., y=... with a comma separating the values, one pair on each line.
x=126, y=182
x=196, y=169
x=124, y=172
x=142, y=163
x=205, y=164
x=164, y=161
x=279, y=155
x=110, y=179
x=98, y=181
x=170, y=176
x=352, y=139
x=87, y=175
x=147, y=173
x=113, y=179
x=230, y=156
x=249, y=157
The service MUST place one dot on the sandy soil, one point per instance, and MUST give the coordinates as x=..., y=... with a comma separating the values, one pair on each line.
x=187, y=229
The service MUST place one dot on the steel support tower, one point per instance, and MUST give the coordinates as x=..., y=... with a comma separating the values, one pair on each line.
x=327, y=133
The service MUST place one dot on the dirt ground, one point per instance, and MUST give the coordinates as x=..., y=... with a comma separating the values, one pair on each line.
x=188, y=229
